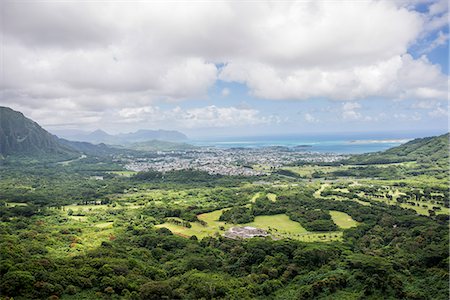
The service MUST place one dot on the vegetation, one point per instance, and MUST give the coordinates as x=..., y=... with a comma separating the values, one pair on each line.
x=427, y=150
x=336, y=232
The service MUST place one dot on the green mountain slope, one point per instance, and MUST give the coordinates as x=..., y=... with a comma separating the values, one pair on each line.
x=431, y=149
x=21, y=136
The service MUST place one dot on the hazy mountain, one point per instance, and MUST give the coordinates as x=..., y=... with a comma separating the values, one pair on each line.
x=91, y=149
x=22, y=136
x=156, y=145
x=147, y=135
x=99, y=136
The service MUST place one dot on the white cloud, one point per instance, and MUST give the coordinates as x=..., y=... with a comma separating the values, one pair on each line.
x=350, y=111
x=94, y=57
x=424, y=104
x=409, y=116
x=398, y=77
x=438, y=7
x=208, y=116
x=438, y=112
x=309, y=118
x=440, y=40
x=225, y=92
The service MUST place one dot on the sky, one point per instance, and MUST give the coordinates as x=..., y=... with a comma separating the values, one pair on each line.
x=227, y=68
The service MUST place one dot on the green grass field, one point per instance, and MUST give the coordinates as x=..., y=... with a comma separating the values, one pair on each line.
x=256, y=196
x=211, y=229
x=342, y=219
x=272, y=197
x=317, y=194
x=123, y=173
x=308, y=170
x=280, y=223
x=85, y=208
x=13, y=204
x=280, y=226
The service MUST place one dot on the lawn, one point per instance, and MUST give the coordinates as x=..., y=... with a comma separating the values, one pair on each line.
x=14, y=204
x=256, y=196
x=272, y=197
x=123, y=173
x=280, y=226
x=279, y=223
x=85, y=208
x=308, y=170
x=318, y=194
x=212, y=227
x=342, y=219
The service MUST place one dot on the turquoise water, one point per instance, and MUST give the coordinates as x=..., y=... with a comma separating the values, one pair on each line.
x=345, y=144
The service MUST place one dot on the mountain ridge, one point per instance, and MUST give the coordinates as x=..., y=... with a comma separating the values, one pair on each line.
x=20, y=135
x=432, y=149
x=142, y=135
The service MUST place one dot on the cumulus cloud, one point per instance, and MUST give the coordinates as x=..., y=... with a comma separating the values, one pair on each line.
x=440, y=40
x=309, y=118
x=398, y=77
x=424, y=104
x=116, y=57
x=434, y=109
x=350, y=111
x=438, y=112
x=208, y=116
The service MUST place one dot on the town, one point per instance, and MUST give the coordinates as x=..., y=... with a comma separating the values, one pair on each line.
x=233, y=161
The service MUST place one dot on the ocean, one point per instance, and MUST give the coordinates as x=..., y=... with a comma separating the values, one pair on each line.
x=352, y=143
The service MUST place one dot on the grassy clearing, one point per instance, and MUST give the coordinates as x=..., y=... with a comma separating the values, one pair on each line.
x=278, y=223
x=14, y=204
x=68, y=162
x=212, y=228
x=261, y=168
x=280, y=226
x=332, y=236
x=361, y=202
x=197, y=229
x=342, y=219
x=307, y=170
x=85, y=208
x=421, y=207
x=272, y=197
x=78, y=218
x=93, y=238
x=90, y=236
x=256, y=196
x=104, y=225
x=318, y=194
x=123, y=173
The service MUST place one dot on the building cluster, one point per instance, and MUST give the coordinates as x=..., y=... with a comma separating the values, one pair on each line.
x=246, y=232
x=234, y=161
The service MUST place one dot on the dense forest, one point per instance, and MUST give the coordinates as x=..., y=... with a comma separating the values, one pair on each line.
x=393, y=253
x=371, y=227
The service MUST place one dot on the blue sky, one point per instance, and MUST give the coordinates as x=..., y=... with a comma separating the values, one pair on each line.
x=229, y=68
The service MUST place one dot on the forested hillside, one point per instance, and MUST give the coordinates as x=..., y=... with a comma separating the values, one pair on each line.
x=429, y=149
x=92, y=228
x=21, y=136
